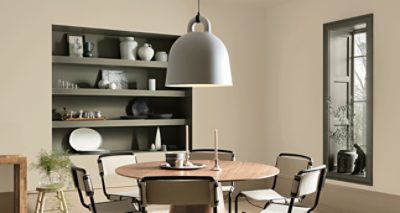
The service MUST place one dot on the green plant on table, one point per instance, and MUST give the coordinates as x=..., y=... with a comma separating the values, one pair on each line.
x=55, y=166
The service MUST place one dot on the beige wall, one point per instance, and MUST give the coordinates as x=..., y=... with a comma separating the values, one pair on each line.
x=25, y=91
x=293, y=92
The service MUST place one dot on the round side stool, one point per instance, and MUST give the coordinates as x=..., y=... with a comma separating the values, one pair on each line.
x=41, y=199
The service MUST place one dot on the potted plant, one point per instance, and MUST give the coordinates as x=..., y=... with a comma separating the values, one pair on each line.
x=344, y=133
x=54, y=167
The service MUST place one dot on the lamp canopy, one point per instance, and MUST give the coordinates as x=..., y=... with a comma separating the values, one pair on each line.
x=198, y=59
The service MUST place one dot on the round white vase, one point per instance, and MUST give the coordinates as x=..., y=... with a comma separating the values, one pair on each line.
x=146, y=52
x=161, y=56
x=128, y=48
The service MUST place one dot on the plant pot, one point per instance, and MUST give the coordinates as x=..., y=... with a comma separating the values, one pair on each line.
x=345, y=161
x=54, y=179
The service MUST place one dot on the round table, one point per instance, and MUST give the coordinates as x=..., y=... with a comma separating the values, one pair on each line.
x=231, y=171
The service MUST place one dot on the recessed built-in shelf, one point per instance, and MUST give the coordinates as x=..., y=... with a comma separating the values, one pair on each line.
x=108, y=62
x=125, y=92
x=120, y=123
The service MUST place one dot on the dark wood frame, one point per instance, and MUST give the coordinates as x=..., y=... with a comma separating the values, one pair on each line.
x=368, y=19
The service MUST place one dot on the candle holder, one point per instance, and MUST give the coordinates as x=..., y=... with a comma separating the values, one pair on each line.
x=216, y=165
x=187, y=162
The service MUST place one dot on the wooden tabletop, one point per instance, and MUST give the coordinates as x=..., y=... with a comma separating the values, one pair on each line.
x=231, y=170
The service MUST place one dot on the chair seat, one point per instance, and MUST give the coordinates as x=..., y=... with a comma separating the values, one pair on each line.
x=279, y=208
x=269, y=195
x=128, y=194
x=228, y=188
x=114, y=206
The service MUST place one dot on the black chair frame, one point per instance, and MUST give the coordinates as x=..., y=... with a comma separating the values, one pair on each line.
x=285, y=154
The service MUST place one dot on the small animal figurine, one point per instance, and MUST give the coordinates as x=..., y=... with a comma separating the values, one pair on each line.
x=360, y=161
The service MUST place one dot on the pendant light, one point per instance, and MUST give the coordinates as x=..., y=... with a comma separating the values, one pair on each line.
x=198, y=59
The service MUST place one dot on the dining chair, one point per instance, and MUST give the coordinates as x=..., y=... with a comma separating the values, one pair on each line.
x=107, y=164
x=83, y=183
x=179, y=190
x=209, y=154
x=289, y=165
x=306, y=182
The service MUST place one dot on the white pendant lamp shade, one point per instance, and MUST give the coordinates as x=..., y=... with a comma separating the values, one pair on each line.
x=198, y=59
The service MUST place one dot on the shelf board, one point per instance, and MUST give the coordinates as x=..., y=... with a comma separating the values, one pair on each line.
x=118, y=93
x=108, y=62
x=120, y=123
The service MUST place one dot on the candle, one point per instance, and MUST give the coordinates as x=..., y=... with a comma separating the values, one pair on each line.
x=216, y=143
x=187, y=138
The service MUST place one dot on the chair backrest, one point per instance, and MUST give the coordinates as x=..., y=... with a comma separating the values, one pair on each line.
x=289, y=165
x=107, y=164
x=209, y=154
x=307, y=182
x=83, y=183
x=179, y=190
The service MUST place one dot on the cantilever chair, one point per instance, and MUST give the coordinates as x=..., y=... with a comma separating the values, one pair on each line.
x=83, y=182
x=305, y=182
x=107, y=164
x=208, y=154
x=289, y=165
x=179, y=190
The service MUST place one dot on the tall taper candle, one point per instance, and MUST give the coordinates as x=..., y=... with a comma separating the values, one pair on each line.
x=216, y=143
x=187, y=138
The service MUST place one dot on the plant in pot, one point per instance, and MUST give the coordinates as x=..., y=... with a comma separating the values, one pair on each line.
x=344, y=133
x=54, y=167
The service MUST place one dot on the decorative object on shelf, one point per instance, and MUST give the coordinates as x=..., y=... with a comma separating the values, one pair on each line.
x=128, y=48
x=103, y=84
x=112, y=85
x=115, y=76
x=153, y=147
x=55, y=168
x=157, y=141
x=75, y=44
x=198, y=59
x=146, y=52
x=140, y=107
x=66, y=84
x=164, y=148
x=187, y=162
x=161, y=56
x=55, y=115
x=88, y=48
x=216, y=160
x=152, y=84
x=86, y=140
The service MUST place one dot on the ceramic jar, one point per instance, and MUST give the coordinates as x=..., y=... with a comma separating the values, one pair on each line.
x=146, y=52
x=128, y=48
x=162, y=56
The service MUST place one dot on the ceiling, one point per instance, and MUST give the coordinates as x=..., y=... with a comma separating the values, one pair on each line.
x=264, y=3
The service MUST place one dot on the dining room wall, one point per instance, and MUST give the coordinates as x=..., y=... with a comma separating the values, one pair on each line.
x=26, y=63
x=293, y=86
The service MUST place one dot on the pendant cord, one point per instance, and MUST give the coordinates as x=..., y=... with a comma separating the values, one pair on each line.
x=198, y=12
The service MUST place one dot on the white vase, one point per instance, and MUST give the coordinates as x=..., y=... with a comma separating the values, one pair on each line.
x=161, y=56
x=146, y=52
x=128, y=48
x=158, y=139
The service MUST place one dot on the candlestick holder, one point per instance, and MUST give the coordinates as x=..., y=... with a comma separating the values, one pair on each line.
x=216, y=165
x=187, y=160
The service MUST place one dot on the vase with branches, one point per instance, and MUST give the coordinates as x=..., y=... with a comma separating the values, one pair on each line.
x=54, y=166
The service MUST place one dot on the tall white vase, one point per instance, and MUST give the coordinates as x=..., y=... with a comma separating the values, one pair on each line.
x=158, y=139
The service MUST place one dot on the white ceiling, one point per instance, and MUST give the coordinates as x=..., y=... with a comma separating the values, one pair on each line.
x=264, y=3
